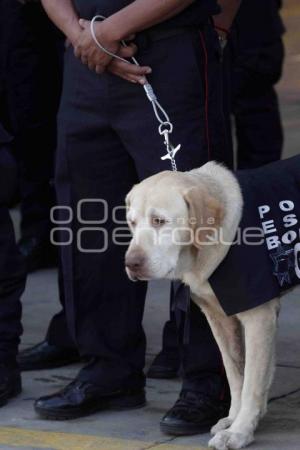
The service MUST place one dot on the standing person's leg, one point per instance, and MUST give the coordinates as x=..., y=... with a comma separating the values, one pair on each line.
x=255, y=106
x=58, y=348
x=33, y=91
x=93, y=155
x=104, y=309
x=197, y=112
x=258, y=128
x=57, y=333
x=166, y=364
x=34, y=73
x=12, y=282
x=205, y=394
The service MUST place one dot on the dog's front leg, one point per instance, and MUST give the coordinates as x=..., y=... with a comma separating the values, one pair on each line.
x=260, y=326
x=228, y=334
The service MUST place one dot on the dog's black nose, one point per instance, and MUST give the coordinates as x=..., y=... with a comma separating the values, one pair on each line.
x=134, y=261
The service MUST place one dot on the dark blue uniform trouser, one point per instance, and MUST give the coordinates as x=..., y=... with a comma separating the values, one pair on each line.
x=107, y=142
x=259, y=135
x=12, y=281
x=33, y=51
x=12, y=275
x=255, y=105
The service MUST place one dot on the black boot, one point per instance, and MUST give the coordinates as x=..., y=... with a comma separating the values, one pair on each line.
x=10, y=383
x=193, y=413
x=82, y=398
x=46, y=356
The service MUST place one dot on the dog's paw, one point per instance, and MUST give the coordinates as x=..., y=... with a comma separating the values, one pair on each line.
x=225, y=440
x=239, y=440
x=223, y=424
x=219, y=442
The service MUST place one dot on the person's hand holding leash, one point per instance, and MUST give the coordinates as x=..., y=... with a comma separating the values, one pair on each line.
x=86, y=49
x=137, y=16
x=129, y=72
x=90, y=54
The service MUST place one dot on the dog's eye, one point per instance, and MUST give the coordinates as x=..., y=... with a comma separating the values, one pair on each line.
x=132, y=223
x=158, y=221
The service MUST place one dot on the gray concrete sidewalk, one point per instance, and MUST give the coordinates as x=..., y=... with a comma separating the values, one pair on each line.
x=139, y=429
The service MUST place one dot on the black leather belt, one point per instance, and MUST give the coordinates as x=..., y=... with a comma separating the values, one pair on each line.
x=165, y=33
x=145, y=38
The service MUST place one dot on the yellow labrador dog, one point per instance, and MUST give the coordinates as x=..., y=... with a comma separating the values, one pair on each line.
x=173, y=218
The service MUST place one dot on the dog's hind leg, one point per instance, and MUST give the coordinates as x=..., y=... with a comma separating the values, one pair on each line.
x=260, y=325
x=228, y=334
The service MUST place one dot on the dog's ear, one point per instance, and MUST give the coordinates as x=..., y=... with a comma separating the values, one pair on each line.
x=206, y=214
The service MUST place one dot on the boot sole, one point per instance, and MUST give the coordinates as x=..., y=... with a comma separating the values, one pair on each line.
x=177, y=430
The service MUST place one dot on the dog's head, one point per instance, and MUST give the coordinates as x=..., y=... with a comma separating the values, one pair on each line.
x=172, y=216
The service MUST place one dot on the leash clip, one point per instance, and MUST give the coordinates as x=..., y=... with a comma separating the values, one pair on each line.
x=165, y=129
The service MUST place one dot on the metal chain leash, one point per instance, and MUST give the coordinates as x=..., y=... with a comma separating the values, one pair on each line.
x=165, y=128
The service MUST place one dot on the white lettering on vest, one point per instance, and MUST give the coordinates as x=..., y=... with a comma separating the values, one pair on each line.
x=264, y=209
x=289, y=237
x=286, y=205
x=272, y=242
x=290, y=220
x=269, y=227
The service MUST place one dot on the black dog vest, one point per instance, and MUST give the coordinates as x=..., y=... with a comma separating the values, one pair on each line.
x=264, y=260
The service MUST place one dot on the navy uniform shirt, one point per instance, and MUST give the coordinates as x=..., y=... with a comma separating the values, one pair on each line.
x=251, y=275
x=195, y=15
